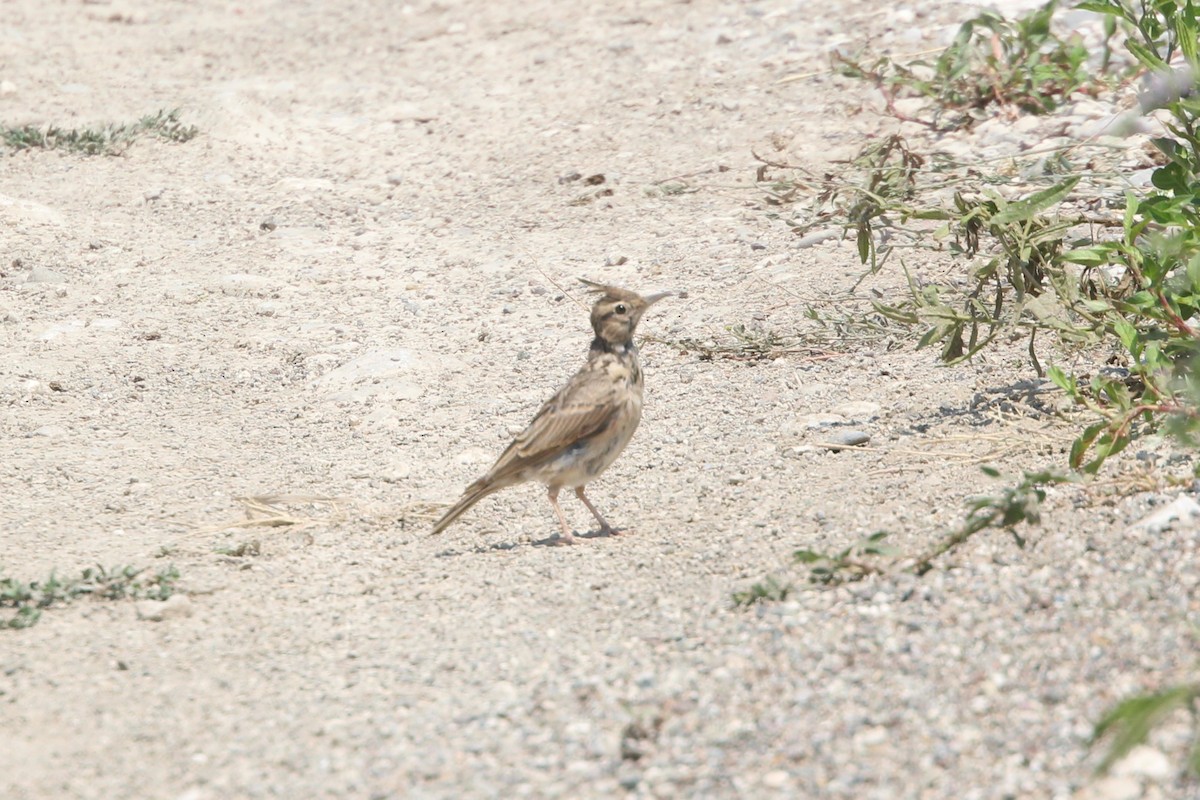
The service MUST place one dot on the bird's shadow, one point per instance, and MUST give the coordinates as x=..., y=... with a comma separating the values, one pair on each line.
x=549, y=541
x=556, y=539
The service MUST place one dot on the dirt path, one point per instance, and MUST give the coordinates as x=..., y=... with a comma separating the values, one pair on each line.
x=350, y=285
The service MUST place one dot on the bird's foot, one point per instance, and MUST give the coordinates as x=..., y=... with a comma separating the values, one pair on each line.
x=562, y=539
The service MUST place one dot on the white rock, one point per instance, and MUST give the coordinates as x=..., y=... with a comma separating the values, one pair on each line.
x=41, y=274
x=1145, y=762
x=7, y=88
x=378, y=375
x=858, y=409
x=177, y=605
x=775, y=779
x=246, y=285
x=1184, y=509
x=1111, y=788
x=58, y=329
x=51, y=431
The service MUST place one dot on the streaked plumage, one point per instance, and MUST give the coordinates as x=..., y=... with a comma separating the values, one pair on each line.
x=582, y=429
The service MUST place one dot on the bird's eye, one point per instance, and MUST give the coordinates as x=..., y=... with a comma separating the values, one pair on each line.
x=621, y=309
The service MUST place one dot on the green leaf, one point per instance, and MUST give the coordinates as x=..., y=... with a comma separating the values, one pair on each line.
x=1081, y=445
x=1148, y=58
x=1101, y=7
x=1130, y=721
x=990, y=471
x=1127, y=334
x=1062, y=380
x=1026, y=209
x=1087, y=256
x=807, y=557
x=864, y=243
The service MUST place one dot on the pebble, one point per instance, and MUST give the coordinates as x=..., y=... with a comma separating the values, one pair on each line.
x=379, y=375
x=1182, y=509
x=775, y=779
x=1111, y=788
x=839, y=440
x=41, y=274
x=7, y=88
x=1145, y=762
x=246, y=285
x=57, y=329
x=51, y=431
x=808, y=422
x=857, y=410
x=174, y=607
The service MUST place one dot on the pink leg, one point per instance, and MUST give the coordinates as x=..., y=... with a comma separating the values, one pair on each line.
x=567, y=537
x=605, y=528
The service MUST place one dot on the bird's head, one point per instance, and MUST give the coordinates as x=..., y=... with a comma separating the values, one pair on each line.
x=617, y=312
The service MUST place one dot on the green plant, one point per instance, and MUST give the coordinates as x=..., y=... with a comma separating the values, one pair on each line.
x=847, y=564
x=992, y=61
x=104, y=140
x=1138, y=290
x=769, y=590
x=29, y=598
x=1129, y=723
x=1015, y=505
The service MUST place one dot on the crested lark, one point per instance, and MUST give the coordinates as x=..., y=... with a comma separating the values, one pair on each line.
x=580, y=431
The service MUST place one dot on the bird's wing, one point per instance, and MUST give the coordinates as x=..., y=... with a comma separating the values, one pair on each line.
x=580, y=408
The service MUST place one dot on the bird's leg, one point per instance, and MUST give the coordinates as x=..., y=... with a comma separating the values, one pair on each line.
x=605, y=528
x=567, y=537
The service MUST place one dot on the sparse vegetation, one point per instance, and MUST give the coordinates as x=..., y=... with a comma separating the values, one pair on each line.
x=104, y=140
x=993, y=61
x=30, y=598
x=1119, y=278
x=1038, y=263
x=767, y=590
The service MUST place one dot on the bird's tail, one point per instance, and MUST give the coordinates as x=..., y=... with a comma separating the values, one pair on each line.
x=474, y=493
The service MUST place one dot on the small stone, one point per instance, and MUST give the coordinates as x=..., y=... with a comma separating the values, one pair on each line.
x=1145, y=762
x=51, y=431
x=45, y=275
x=153, y=194
x=775, y=779
x=858, y=409
x=870, y=737
x=839, y=440
x=1183, y=509
x=7, y=88
x=246, y=285
x=814, y=421
x=268, y=224
x=395, y=178
x=1111, y=788
x=175, y=606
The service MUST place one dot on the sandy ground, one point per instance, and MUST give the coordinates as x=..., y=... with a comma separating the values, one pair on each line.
x=351, y=285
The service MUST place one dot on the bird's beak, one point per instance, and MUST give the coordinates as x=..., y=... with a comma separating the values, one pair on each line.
x=651, y=299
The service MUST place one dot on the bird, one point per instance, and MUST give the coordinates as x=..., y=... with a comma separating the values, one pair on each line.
x=579, y=432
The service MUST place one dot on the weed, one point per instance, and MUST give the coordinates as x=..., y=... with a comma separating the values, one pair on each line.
x=768, y=590
x=1137, y=288
x=992, y=61
x=848, y=564
x=1014, y=505
x=1127, y=724
x=104, y=140
x=29, y=598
